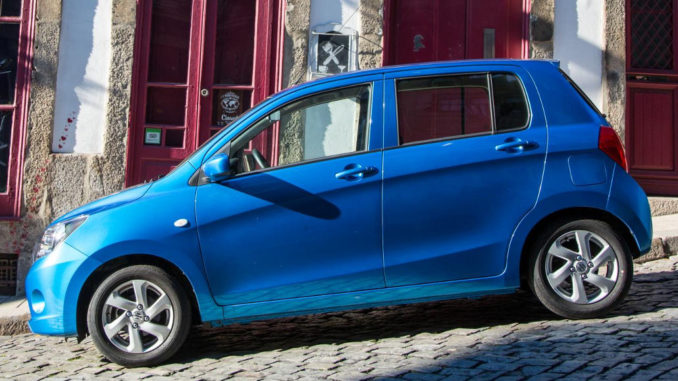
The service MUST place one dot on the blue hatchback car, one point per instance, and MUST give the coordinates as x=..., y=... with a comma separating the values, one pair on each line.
x=388, y=186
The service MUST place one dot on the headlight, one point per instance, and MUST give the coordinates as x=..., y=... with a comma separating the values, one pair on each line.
x=55, y=234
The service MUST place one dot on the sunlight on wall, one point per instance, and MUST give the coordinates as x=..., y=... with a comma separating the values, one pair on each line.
x=82, y=76
x=578, y=44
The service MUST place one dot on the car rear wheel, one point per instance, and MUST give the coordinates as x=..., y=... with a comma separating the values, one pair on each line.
x=580, y=269
x=139, y=316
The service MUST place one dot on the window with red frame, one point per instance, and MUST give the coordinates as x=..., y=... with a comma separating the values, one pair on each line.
x=15, y=55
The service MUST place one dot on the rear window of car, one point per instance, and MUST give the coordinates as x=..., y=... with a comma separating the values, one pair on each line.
x=440, y=107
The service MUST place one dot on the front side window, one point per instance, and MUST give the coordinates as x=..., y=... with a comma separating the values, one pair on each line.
x=432, y=108
x=318, y=126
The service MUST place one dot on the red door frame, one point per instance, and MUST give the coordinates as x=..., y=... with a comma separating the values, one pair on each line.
x=389, y=25
x=269, y=49
x=10, y=201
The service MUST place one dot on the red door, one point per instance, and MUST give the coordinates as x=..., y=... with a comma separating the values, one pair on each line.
x=652, y=95
x=438, y=30
x=201, y=63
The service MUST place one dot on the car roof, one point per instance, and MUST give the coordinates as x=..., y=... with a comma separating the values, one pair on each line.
x=423, y=65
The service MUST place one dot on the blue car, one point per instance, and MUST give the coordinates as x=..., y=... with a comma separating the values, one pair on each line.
x=396, y=185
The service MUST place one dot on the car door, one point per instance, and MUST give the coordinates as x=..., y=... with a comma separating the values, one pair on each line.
x=463, y=162
x=301, y=213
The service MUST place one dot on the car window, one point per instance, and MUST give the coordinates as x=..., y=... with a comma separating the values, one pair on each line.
x=440, y=107
x=510, y=106
x=326, y=124
x=457, y=105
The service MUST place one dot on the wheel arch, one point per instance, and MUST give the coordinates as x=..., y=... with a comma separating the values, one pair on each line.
x=115, y=264
x=571, y=214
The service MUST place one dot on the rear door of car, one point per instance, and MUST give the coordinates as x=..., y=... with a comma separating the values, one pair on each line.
x=463, y=162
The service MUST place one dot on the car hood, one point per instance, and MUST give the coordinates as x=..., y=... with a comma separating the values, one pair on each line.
x=116, y=199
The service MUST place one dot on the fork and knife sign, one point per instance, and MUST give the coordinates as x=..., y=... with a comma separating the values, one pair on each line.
x=332, y=52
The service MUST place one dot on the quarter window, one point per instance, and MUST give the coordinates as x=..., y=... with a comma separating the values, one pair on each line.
x=453, y=106
x=327, y=124
x=510, y=107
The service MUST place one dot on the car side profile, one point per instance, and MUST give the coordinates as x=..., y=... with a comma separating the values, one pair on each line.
x=389, y=186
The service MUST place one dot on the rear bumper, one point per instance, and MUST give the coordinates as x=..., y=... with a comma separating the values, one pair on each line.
x=53, y=285
x=628, y=201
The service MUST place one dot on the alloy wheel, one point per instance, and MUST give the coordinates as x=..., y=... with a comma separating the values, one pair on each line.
x=581, y=267
x=137, y=316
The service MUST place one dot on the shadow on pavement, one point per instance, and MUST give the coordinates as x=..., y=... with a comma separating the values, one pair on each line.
x=649, y=292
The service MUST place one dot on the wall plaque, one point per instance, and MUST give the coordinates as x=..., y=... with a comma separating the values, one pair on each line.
x=152, y=136
x=332, y=50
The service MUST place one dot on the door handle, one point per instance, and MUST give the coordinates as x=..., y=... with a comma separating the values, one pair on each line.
x=353, y=172
x=515, y=145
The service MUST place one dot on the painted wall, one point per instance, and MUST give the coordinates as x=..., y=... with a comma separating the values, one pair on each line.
x=578, y=43
x=82, y=76
x=344, y=12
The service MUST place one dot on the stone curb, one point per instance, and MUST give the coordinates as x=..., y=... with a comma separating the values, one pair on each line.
x=661, y=248
x=14, y=325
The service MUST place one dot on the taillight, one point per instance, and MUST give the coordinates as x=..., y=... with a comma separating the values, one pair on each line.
x=609, y=142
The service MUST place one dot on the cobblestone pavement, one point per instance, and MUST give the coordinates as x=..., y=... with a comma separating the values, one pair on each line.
x=502, y=337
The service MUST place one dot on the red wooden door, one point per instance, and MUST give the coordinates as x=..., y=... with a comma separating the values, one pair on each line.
x=438, y=30
x=201, y=64
x=652, y=95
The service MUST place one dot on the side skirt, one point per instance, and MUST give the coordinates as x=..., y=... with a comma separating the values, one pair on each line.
x=244, y=313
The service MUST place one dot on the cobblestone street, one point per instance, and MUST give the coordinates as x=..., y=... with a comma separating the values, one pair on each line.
x=503, y=337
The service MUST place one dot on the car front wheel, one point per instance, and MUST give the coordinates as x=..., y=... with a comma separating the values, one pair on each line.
x=139, y=316
x=580, y=269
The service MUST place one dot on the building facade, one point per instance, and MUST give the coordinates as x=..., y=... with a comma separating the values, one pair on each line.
x=99, y=95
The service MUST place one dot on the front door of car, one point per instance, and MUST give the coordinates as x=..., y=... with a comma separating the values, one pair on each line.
x=300, y=214
x=465, y=164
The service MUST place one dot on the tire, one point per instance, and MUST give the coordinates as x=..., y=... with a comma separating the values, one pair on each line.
x=576, y=283
x=147, y=313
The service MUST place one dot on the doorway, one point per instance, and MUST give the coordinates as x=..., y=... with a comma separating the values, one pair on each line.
x=652, y=95
x=199, y=64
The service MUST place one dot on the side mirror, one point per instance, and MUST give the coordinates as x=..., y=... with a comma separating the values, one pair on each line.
x=217, y=168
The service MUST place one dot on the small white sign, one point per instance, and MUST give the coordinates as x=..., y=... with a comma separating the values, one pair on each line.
x=152, y=136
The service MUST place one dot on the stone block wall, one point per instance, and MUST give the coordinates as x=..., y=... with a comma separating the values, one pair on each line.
x=56, y=183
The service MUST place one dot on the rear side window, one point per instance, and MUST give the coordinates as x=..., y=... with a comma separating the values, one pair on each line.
x=510, y=107
x=452, y=106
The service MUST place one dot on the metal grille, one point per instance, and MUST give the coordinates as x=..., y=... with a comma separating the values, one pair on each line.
x=8, y=274
x=652, y=34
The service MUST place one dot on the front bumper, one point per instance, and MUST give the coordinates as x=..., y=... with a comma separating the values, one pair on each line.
x=53, y=285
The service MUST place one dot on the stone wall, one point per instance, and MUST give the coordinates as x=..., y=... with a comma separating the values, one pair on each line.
x=542, y=16
x=297, y=29
x=56, y=183
x=614, y=64
x=370, y=41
